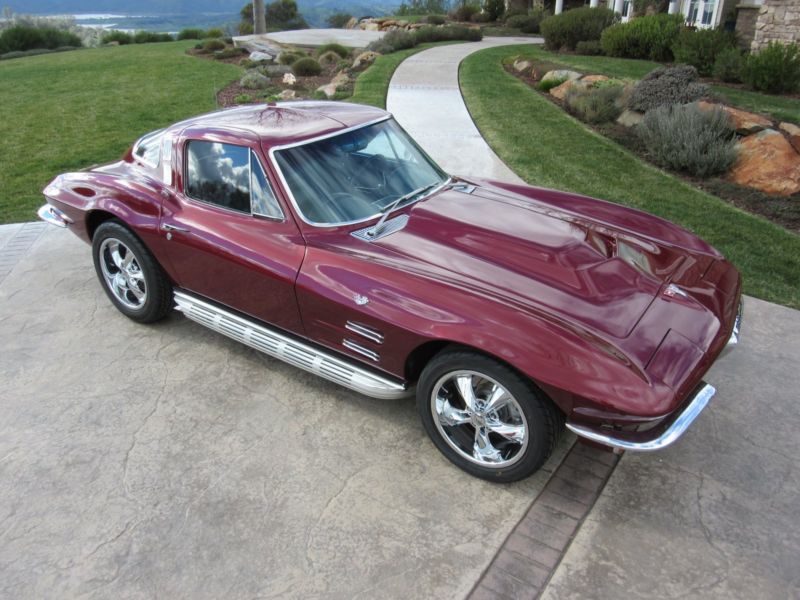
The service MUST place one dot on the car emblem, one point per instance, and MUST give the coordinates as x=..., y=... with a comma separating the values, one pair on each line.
x=673, y=290
x=361, y=300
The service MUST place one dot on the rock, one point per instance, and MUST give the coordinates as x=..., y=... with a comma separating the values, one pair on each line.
x=744, y=122
x=352, y=23
x=402, y=23
x=364, y=59
x=629, y=118
x=289, y=78
x=561, y=74
x=767, y=162
x=371, y=27
x=520, y=66
x=276, y=70
x=793, y=131
x=287, y=95
x=560, y=91
x=259, y=56
x=592, y=79
x=329, y=89
x=340, y=79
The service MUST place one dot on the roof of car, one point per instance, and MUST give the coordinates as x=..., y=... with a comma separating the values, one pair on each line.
x=288, y=122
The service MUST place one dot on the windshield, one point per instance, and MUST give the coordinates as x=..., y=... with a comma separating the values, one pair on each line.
x=356, y=175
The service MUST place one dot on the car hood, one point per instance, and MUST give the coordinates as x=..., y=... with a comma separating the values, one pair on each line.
x=541, y=257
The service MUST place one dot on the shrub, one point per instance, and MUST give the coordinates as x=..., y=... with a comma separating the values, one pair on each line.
x=338, y=20
x=525, y=23
x=589, y=48
x=576, y=25
x=465, y=12
x=700, y=47
x=494, y=9
x=149, y=37
x=21, y=38
x=213, y=45
x=436, y=19
x=191, y=34
x=689, y=139
x=728, y=66
x=599, y=104
x=254, y=80
x=245, y=28
x=776, y=69
x=650, y=37
x=480, y=17
x=289, y=57
x=329, y=58
x=243, y=99
x=215, y=32
x=120, y=37
x=229, y=53
x=342, y=51
x=306, y=67
x=546, y=86
x=425, y=35
x=665, y=86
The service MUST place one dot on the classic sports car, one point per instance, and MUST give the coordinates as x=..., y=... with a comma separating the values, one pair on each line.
x=321, y=234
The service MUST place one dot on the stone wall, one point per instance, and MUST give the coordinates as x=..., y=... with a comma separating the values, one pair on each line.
x=779, y=21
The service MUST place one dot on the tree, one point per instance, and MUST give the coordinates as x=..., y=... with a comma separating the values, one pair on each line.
x=259, y=22
x=283, y=14
x=339, y=19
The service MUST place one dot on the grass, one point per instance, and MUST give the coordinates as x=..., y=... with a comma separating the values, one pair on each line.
x=373, y=84
x=547, y=147
x=781, y=108
x=70, y=110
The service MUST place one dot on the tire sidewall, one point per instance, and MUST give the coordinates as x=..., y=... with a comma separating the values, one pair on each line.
x=537, y=416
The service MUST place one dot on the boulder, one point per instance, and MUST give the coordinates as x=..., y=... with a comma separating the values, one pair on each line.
x=287, y=95
x=592, y=79
x=745, y=123
x=520, y=66
x=329, y=89
x=341, y=79
x=352, y=23
x=560, y=91
x=629, y=118
x=402, y=23
x=561, y=74
x=259, y=56
x=370, y=27
x=793, y=133
x=364, y=59
x=767, y=162
x=276, y=70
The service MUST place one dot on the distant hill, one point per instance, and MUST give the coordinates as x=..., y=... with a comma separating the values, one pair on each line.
x=315, y=11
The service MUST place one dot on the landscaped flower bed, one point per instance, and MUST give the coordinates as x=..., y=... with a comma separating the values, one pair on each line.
x=672, y=120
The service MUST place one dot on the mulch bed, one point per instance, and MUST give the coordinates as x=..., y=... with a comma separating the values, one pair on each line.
x=781, y=210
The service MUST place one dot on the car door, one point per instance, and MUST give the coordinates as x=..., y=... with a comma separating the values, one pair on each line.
x=229, y=237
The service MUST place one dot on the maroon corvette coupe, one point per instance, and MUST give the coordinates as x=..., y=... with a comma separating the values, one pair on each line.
x=321, y=234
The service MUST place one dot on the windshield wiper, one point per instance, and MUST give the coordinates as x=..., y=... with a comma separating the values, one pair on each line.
x=372, y=232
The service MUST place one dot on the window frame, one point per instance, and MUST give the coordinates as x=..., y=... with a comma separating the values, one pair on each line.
x=250, y=154
x=158, y=133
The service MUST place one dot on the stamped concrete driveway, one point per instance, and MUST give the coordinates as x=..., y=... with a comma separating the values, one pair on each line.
x=167, y=461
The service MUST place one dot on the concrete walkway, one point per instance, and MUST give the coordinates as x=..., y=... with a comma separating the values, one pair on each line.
x=716, y=515
x=425, y=98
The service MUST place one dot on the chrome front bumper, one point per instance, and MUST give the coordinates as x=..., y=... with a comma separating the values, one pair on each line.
x=733, y=341
x=643, y=441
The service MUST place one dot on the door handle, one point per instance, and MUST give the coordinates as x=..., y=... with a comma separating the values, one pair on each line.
x=168, y=227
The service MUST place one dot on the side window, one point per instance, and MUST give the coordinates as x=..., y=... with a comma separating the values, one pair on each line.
x=219, y=174
x=262, y=200
x=148, y=149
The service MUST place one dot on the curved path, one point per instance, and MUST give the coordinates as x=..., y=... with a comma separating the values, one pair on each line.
x=425, y=97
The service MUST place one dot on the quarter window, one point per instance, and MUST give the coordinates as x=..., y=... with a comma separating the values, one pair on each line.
x=148, y=149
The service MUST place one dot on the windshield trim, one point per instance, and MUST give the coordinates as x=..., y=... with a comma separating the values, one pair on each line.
x=326, y=136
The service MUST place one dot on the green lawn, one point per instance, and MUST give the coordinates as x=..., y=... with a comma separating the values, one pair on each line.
x=781, y=108
x=70, y=110
x=547, y=147
x=373, y=84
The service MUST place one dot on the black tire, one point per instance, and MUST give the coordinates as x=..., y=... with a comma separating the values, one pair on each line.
x=156, y=300
x=541, y=420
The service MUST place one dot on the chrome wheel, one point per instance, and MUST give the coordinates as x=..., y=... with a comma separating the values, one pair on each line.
x=479, y=419
x=122, y=273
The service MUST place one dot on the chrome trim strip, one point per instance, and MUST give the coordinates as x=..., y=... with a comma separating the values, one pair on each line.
x=351, y=345
x=367, y=332
x=670, y=435
x=50, y=214
x=289, y=350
